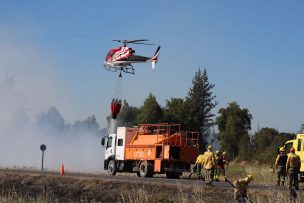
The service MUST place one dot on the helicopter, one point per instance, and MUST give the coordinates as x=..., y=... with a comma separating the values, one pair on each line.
x=122, y=58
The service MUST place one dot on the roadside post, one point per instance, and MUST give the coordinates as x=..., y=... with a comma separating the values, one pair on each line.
x=42, y=148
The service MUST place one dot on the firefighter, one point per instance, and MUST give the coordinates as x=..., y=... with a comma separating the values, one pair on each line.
x=209, y=164
x=225, y=158
x=241, y=188
x=198, y=165
x=293, y=166
x=280, y=165
x=219, y=166
x=217, y=155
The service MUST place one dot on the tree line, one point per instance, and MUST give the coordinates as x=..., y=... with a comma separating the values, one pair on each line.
x=51, y=122
x=196, y=112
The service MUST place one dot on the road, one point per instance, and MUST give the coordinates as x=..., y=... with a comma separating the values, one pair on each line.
x=134, y=178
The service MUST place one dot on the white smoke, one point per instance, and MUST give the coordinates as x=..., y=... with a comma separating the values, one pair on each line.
x=37, y=88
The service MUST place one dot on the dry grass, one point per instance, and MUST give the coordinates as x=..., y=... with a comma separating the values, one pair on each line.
x=24, y=188
x=202, y=194
x=262, y=174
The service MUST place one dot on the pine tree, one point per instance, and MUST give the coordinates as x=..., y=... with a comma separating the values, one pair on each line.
x=198, y=106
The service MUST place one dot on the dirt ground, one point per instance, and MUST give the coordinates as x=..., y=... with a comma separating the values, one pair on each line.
x=20, y=187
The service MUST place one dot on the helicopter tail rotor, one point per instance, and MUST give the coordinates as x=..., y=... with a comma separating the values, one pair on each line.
x=154, y=59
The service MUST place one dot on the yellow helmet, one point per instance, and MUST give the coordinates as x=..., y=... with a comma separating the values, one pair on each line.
x=250, y=177
x=217, y=152
x=210, y=147
x=282, y=149
x=224, y=153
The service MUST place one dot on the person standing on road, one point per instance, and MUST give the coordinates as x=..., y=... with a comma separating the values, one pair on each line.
x=280, y=165
x=225, y=158
x=226, y=161
x=209, y=165
x=293, y=166
x=241, y=189
x=219, y=166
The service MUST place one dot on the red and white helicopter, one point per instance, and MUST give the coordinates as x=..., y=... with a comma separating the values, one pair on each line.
x=122, y=58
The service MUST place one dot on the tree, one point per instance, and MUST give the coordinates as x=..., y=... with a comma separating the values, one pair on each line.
x=174, y=111
x=233, y=125
x=199, y=103
x=266, y=143
x=264, y=138
x=51, y=121
x=150, y=112
x=127, y=115
x=88, y=125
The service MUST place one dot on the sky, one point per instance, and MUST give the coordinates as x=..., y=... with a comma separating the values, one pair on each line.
x=252, y=50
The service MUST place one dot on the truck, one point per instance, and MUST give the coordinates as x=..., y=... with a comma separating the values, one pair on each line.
x=150, y=149
x=297, y=143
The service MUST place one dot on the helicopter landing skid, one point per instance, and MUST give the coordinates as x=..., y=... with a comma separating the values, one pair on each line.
x=126, y=69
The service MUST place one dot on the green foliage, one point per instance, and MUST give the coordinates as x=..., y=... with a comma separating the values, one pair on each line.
x=174, y=111
x=266, y=143
x=264, y=138
x=150, y=112
x=233, y=124
x=127, y=115
x=199, y=103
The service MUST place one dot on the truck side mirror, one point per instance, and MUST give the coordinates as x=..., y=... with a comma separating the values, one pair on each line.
x=103, y=141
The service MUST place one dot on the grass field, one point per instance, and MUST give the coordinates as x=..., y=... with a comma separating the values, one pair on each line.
x=262, y=174
x=23, y=187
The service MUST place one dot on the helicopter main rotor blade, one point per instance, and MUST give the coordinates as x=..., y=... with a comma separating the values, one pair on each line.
x=118, y=40
x=130, y=41
x=141, y=43
x=138, y=40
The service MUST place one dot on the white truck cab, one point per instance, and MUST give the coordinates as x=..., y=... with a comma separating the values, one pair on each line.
x=115, y=145
x=109, y=145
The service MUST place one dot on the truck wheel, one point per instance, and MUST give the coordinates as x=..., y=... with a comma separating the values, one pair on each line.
x=111, y=168
x=145, y=169
x=173, y=175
